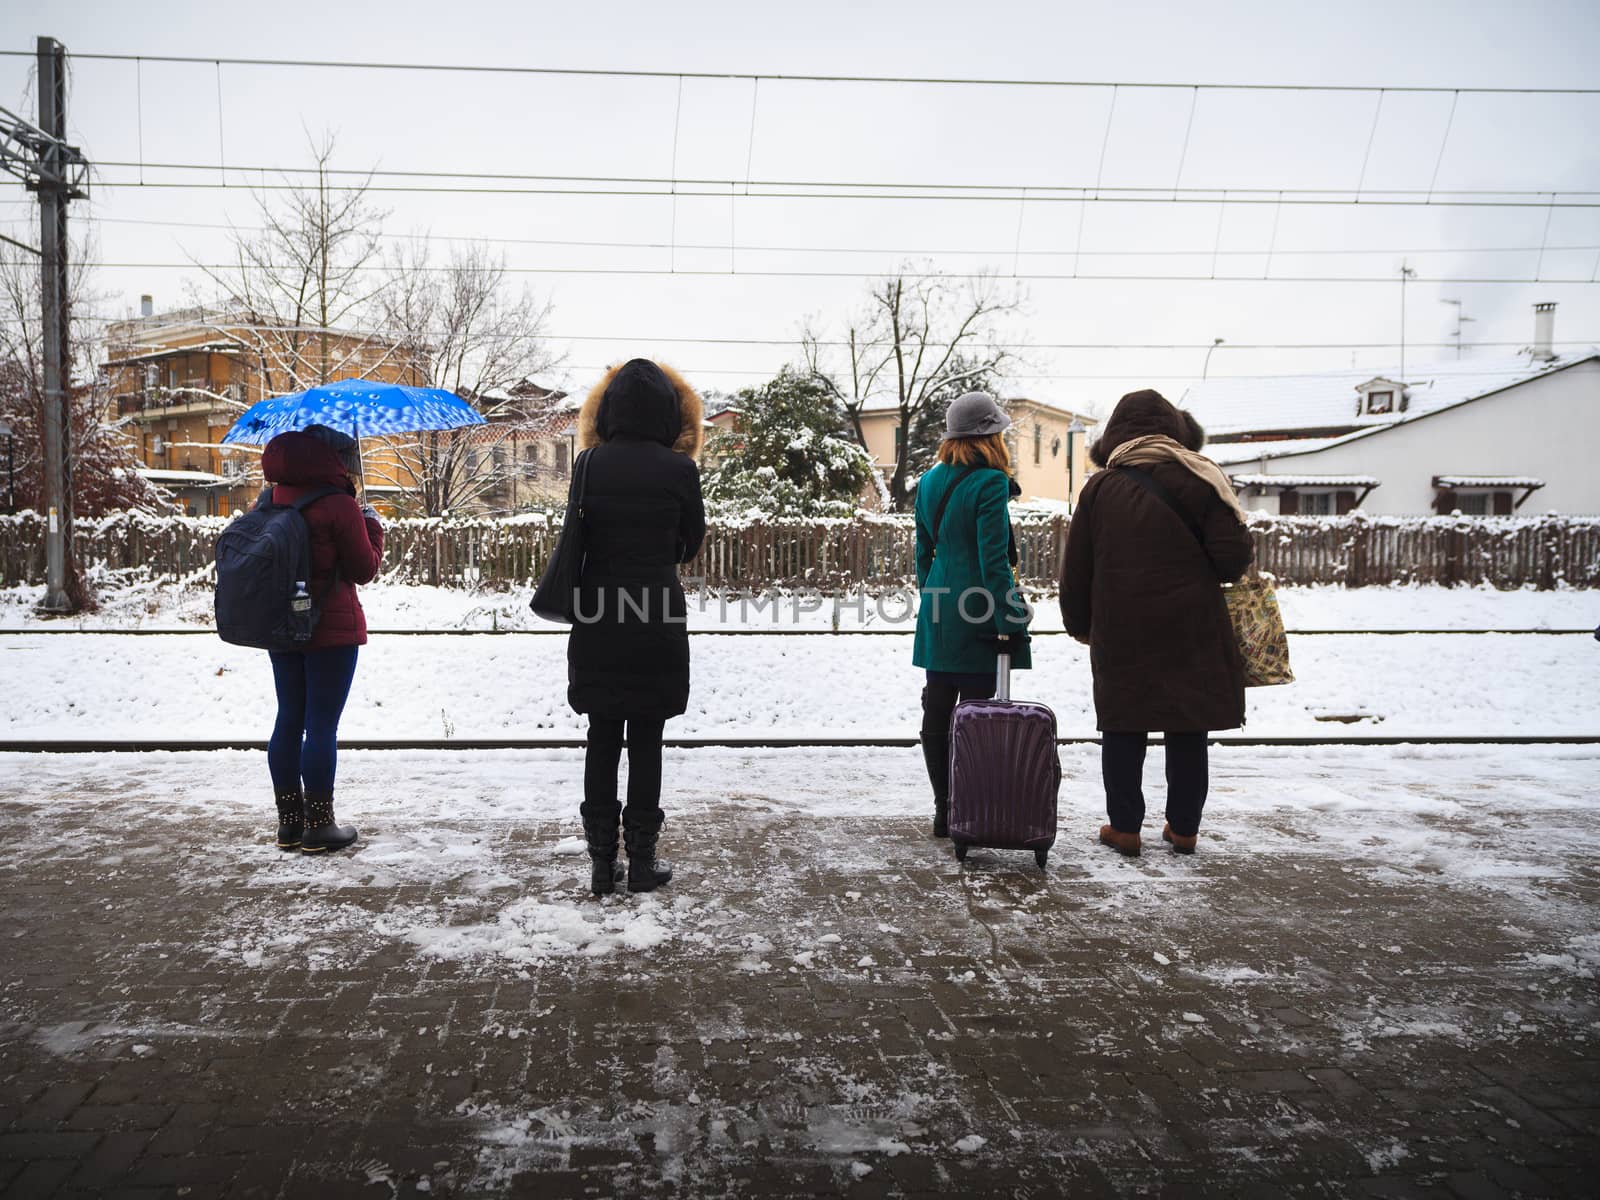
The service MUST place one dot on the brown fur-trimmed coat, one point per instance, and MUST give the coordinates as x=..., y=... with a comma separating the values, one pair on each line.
x=628, y=654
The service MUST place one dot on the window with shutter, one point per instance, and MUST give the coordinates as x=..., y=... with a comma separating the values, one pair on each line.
x=1345, y=502
x=1289, y=502
x=1502, y=504
x=1317, y=504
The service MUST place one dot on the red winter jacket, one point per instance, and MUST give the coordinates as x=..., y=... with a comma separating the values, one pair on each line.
x=296, y=463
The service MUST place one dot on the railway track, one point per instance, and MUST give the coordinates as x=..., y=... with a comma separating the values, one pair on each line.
x=760, y=741
x=756, y=742
x=907, y=632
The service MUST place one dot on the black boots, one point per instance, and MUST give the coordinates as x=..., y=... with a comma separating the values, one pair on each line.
x=321, y=833
x=645, y=872
x=291, y=819
x=936, y=753
x=602, y=838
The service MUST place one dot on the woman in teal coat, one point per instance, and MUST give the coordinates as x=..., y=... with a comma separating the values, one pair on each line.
x=968, y=592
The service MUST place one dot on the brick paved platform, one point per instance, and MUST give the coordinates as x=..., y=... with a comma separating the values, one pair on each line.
x=1397, y=999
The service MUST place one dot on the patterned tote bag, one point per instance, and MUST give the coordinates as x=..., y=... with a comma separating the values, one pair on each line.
x=1258, y=626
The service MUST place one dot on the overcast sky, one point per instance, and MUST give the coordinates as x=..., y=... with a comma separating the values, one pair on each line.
x=730, y=131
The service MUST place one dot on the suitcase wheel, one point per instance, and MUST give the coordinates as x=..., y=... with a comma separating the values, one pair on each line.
x=1039, y=856
x=961, y=852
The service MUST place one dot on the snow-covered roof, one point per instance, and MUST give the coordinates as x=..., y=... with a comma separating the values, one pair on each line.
x=183, y=478
x=1049, y=405
x=1329, y=400
x=150, y=356
x=1487, y=481
x=1228, y=454
x=1305, y=481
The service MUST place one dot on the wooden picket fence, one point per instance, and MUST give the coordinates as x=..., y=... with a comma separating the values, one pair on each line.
x=872, y=552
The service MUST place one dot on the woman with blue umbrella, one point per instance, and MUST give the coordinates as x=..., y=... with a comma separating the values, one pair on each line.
x=308, y=453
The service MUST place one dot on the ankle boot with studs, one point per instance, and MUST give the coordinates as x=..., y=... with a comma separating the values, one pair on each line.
x=322, y=832
x=291, y=819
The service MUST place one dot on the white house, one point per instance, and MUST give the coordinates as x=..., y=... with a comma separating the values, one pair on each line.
x=1478, y=436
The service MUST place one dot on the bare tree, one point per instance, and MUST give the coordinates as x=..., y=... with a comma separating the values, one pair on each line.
x=460, y=326
x=920, y=336
x=101, y=463
x=300, y=283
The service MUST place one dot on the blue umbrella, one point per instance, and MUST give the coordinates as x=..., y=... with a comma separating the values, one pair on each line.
x=359, y=407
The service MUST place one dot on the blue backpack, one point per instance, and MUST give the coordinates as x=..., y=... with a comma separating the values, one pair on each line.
x=264, y=576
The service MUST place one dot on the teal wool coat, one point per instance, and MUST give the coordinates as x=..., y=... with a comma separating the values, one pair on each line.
x=970, y=559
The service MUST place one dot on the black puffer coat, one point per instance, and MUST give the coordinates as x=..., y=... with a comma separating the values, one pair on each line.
x=628, y=654
x=1145, y=593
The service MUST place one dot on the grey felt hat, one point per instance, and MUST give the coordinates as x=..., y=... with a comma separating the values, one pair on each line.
x=974, y=415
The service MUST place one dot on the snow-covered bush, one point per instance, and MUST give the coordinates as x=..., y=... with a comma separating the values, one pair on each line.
x=790, y=456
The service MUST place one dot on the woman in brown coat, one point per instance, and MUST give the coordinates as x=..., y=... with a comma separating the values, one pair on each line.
x=1153, y=537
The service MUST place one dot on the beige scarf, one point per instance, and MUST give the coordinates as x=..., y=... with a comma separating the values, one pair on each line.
x=1158, y=448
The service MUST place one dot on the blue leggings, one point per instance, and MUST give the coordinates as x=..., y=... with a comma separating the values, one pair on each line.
x=312, y=688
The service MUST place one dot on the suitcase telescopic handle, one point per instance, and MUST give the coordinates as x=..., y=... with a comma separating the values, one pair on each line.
x=1002, y=668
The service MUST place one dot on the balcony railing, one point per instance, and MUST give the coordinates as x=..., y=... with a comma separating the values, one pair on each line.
x=199, y=396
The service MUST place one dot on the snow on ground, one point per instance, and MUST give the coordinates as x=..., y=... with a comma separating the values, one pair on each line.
x=822, y=985
x=405, y=606
x=1439, y=817
x=169, y=686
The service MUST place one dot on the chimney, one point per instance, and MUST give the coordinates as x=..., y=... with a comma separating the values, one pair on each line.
x=1544, y=331
x=147, y=306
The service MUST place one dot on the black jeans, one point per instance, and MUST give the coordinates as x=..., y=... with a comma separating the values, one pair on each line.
x=943, y=692
x=1122, y=764
x=939, y=699
x=600, y=765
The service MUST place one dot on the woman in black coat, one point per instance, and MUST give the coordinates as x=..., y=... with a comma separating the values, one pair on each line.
x=1153, y=538
x=628, y=654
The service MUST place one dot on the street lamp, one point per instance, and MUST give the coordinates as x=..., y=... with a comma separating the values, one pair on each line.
x=1214, y=344
x=11, y=466
x=1077, y=428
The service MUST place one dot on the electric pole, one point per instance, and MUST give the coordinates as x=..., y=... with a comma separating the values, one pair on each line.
x=1405, y=274
x=40, y=156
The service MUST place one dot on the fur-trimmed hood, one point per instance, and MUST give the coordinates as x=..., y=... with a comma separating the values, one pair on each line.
x=636, y=407
x=1140, y=414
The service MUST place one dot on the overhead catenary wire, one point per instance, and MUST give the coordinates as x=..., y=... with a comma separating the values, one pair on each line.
x=1009, y=196
x=730, y=273
x=891, y=251
x=838, y=343
x=717, y=188
x=223, y=324
x=799, y=77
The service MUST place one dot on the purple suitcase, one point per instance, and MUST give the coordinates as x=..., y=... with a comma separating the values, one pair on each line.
x=1004, y=773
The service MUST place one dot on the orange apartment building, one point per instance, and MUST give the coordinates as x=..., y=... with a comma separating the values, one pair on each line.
x=179, y=380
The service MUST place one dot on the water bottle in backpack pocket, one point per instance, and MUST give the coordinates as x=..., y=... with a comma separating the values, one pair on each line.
x=263, y=596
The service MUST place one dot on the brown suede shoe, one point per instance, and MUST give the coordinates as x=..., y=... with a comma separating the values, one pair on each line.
x=1122, y=843
x=1183, y=845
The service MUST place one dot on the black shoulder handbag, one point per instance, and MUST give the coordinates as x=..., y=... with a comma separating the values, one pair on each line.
x=556, y=597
